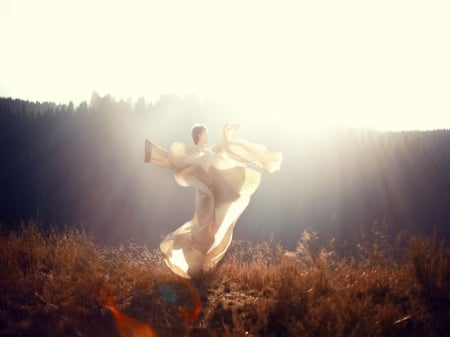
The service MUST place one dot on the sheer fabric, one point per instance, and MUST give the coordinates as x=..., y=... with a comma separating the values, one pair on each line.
x=224, y=180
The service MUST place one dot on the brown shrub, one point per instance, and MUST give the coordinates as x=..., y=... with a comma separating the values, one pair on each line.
x=60, y=284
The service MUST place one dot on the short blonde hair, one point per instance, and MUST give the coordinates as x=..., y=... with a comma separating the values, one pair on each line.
x=197, y=130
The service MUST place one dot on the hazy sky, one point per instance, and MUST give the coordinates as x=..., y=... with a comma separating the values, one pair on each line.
x=381, y=64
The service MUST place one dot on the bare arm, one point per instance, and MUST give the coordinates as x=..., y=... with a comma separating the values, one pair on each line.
x=216, y=148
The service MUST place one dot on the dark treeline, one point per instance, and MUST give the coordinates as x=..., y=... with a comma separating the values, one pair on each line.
x=67, y=164
x=72, y=165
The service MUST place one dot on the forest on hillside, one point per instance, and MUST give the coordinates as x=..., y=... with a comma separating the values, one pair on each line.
x=72, y=165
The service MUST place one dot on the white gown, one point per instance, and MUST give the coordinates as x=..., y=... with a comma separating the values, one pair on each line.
x=224, y=185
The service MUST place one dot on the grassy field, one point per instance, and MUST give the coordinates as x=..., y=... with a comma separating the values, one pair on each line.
x=66, y=284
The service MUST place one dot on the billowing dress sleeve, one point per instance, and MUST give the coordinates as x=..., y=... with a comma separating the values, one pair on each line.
x=155, y=154
x=252, y=154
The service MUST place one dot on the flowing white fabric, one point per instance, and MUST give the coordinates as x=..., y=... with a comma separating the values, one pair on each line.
x=224, y=185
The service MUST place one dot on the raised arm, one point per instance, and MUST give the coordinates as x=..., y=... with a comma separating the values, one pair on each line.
x=249, y=153
x=156, y=155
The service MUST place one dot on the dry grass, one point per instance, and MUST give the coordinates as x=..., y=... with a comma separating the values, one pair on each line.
x=65, y=284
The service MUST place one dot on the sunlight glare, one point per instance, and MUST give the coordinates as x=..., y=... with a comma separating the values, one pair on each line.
x=314, y=65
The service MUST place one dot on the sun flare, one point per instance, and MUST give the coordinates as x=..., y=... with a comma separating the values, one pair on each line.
x=346, y=63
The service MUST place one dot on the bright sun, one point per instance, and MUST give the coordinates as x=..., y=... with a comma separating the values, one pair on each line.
x=384, y=65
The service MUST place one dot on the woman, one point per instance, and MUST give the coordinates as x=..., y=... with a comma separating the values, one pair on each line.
x=224, y=185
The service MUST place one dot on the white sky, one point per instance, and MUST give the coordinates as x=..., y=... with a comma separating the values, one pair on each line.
x=379, y=64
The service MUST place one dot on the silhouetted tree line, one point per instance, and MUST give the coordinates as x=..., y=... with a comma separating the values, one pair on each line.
x=84, y=164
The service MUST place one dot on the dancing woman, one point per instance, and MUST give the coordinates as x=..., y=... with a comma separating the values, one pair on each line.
x=225, y=176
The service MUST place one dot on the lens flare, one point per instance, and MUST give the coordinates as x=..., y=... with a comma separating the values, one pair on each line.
x=127, y=326
x=191, y=316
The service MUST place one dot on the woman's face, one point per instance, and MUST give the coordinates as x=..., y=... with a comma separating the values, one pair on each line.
x=203, y=139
